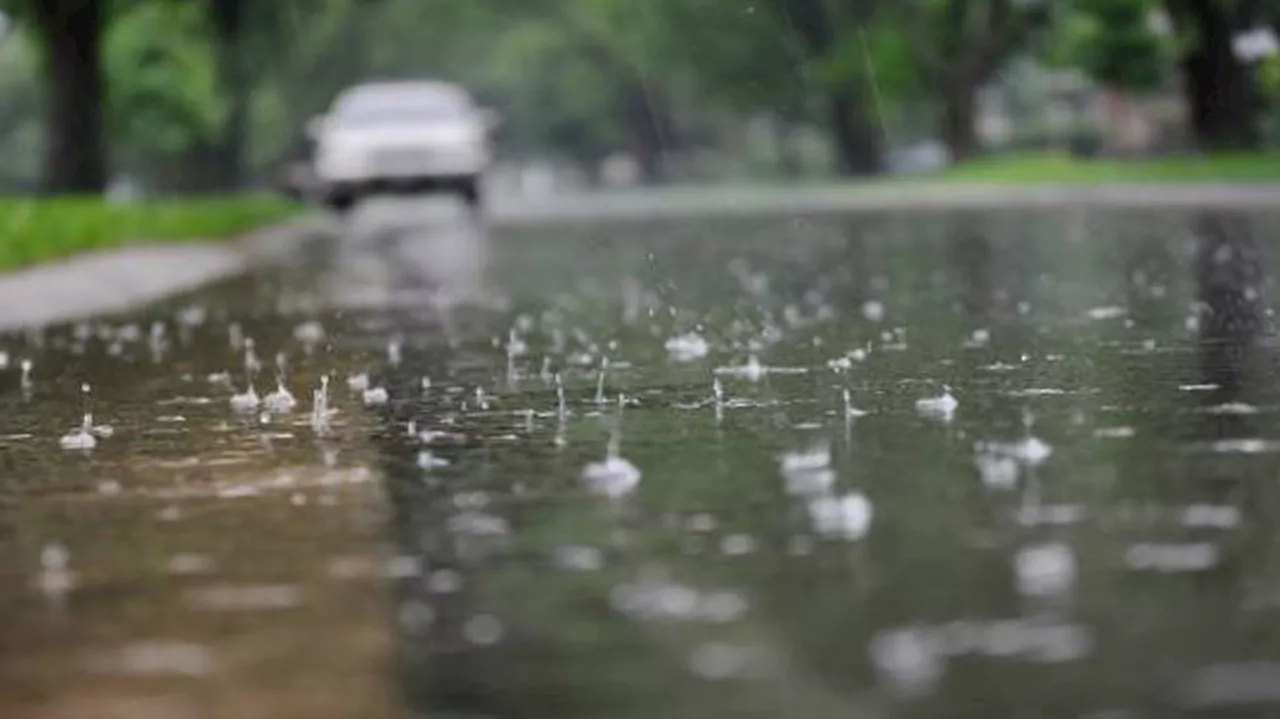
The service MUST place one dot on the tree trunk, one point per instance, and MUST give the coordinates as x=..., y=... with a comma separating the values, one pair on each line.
x=1221, y=96
x=70, y=34
x=227, y=153
x=855, y=136
x=817, y=25
x=959, y=122
x=648, y=128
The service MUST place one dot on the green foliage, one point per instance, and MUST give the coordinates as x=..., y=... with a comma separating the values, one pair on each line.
x=19, y=117
x=565, y=74
x=1113, y=42
x=38, y=230
x=164, y=95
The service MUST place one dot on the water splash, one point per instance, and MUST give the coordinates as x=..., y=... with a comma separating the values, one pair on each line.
x=358, y=382
x=281, y=401
x=687, y=347
x=81, y=438
x=375, y=396
x=320, y=407
x=752, y=371
x=613, y=477
x=846, y=517
x=1043, y=570
x=941, y=407
x=247, y=401
x=808, y=472
x=309, y=333
x=427, y=460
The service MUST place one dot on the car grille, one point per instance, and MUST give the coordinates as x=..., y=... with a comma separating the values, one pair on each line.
x=404, y=158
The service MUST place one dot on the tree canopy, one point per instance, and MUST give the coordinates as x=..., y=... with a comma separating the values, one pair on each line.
x=220, y=89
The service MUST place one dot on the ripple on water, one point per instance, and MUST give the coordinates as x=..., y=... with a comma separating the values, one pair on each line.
x=154, y=657
x=245, y=597
x=654, y=597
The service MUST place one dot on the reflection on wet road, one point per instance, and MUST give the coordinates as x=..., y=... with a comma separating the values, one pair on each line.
x=973, y=464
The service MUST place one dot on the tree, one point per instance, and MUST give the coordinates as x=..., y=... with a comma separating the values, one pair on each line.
x=69, y=34
x=1117, y=44
x=823, y=30
x=20, y=119
x=227, y=19
x=1220, y=88
x=165, y=101
x=958, y=46
x=250, y=36
x=1113, y=41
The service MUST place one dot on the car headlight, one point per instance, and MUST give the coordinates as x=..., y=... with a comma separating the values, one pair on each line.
x=340, y=159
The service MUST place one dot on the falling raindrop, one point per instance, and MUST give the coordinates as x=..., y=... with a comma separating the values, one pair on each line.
x=604, y=366
x=56, y=578
x=850, y=411
x=394, y=352
x=561, y=410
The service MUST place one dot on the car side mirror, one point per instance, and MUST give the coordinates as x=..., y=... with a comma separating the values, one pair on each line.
x=315, y=126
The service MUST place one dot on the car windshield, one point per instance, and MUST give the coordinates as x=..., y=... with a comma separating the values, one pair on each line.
x=401, y=108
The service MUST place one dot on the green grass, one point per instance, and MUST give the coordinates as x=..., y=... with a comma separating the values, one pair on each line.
x=36, y=230
x=1062, y=168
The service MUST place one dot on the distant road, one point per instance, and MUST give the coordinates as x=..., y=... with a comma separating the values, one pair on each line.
x=879, y=196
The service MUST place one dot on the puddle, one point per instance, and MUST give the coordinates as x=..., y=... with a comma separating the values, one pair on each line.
x=881, y=465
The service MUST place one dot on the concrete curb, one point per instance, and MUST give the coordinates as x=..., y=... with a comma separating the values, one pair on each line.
x=98, y=283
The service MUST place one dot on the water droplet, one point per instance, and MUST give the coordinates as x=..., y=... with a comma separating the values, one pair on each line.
x=483, y=630
x=1045, y=569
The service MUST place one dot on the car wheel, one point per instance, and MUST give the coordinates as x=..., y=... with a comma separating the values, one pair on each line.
x=341, y=201
x=469, y=190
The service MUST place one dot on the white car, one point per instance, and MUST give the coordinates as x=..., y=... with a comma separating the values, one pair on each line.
x=400, y=136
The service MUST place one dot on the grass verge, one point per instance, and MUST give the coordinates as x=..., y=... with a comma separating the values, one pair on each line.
x=38, y=230
x=1062, y=168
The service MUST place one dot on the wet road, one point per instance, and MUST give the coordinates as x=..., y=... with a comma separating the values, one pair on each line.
x=962, y=464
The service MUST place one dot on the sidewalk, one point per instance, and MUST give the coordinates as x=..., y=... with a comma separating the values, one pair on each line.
x=119, y=280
